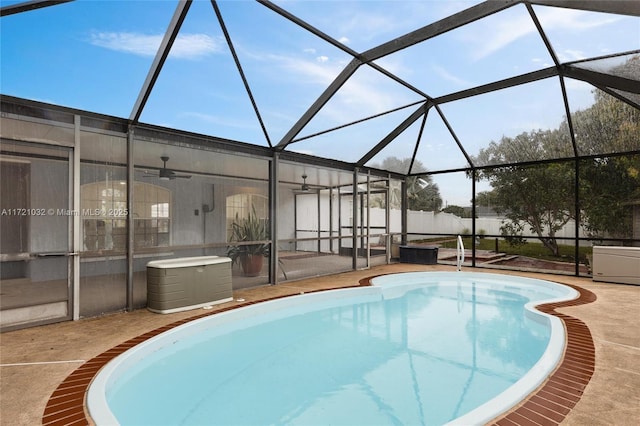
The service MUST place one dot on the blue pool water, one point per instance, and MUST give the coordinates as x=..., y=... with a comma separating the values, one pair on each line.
x=415, y=348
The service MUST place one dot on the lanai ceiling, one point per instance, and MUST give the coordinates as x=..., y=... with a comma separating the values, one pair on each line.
x=353, y=81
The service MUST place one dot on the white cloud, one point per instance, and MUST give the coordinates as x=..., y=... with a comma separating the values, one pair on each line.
x=357, y=98
x=186, y=46
x=573, y=20
x=450, y=77
x=367, y=24
x=319, y=71
x=191, y=46
x=366, y=93
x=554, y=20
x=361, y=97
x=398, y=65
x=571, y=55
x=138, y=44
x=504, y=33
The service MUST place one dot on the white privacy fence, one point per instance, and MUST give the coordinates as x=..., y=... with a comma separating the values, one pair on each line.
x=421, y=222
x=313, y=222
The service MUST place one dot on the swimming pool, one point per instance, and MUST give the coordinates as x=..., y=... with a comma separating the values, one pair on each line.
x=414, y=348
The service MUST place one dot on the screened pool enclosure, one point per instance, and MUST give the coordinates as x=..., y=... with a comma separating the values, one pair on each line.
x=318, y=136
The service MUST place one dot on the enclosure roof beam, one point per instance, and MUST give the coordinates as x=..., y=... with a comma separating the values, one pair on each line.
x=351, y=123
x=455, y=136
x=626, y=99
x=319, y=103
x=418, y=139
x=393, y=134
x=161, y=56
x=442, y=26
x=236, y=60
x=620, y=7
x=288, y=15
x=315, y=31
x=29, y=5
x=498, y=85
x=543, y=35
x=602, y=79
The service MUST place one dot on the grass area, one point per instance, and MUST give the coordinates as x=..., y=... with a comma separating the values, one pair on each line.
x=529, y=249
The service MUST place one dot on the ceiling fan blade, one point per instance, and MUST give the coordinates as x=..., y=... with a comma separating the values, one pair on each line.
x=167, y=174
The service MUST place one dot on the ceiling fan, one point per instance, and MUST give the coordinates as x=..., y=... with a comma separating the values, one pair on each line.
x=305, y=188
x=165, y=173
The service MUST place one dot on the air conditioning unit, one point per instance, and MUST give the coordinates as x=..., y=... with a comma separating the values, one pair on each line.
x=616, y=264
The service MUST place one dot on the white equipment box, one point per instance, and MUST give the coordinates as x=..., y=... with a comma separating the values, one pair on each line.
x=616, y=264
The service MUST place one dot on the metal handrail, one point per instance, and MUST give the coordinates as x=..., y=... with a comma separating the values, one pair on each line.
x=459, y=254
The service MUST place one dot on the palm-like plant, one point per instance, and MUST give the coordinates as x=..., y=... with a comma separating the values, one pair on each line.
x=245, y=232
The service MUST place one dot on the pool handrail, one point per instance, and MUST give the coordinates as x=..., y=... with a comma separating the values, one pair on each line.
x=459, y=254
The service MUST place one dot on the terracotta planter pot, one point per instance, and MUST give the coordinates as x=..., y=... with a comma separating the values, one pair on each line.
x=252, y=264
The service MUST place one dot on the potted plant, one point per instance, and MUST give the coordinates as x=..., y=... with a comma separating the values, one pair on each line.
x=250, y=256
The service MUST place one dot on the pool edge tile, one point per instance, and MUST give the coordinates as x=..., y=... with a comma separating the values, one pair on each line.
x=565, y=386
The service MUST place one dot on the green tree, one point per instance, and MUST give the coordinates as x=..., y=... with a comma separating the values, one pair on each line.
x=486, y=203
x=486, y=199
x=608, y=184
x=539, y=197
x=608, y=187
x=458, y=210
x=542, y=197
x=608, y=126
x=422, y=192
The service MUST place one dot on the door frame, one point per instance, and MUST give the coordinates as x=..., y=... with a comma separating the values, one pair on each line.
x=72, y=211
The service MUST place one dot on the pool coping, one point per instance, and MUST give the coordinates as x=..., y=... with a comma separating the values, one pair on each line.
x=552, y=401
x=548, y=404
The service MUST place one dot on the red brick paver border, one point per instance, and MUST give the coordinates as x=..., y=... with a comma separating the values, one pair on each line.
x=554, y=399
x=66, y=405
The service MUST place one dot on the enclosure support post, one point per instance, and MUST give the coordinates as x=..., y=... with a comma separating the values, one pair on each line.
x=473, y=218
x=75, y=221
x=331, y=245
x=273, y=218
x=354, y=225
x=387, y=219
x=577, y=219
x=403, y=208
x=368, y=237
x=319, y=232
x=130, y=224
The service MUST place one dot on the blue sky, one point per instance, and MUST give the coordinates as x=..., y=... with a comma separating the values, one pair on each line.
x=94, y=55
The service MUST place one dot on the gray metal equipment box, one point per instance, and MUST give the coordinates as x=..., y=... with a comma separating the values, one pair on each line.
x=425, y=255
x=181, y=284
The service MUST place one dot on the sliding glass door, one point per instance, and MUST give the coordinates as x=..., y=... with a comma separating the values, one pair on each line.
x=35, y=240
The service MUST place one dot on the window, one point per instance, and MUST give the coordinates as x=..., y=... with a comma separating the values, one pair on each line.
x=151, y=215
x=104, y=215
x=242, y=204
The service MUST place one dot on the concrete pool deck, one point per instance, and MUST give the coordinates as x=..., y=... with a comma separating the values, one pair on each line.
x=36, y=360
